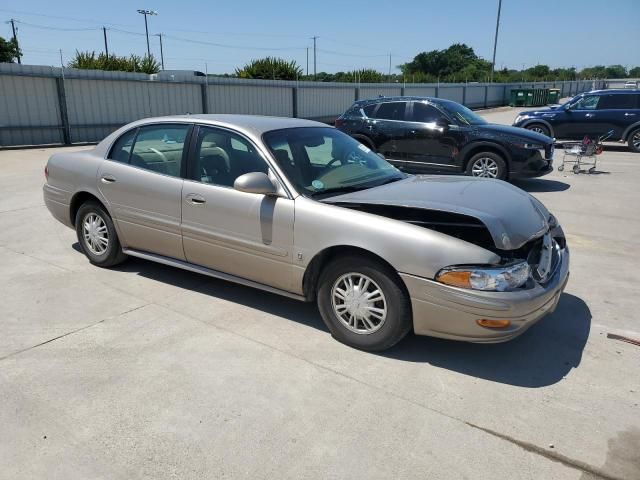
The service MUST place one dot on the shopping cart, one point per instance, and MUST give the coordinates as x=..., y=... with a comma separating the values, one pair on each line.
x=583, y=153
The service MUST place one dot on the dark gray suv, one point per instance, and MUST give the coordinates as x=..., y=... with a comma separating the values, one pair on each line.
x=593, y=114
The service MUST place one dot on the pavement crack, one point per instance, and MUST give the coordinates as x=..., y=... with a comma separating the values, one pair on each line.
x=18, y=352
x=18, y=252
x=553, y=456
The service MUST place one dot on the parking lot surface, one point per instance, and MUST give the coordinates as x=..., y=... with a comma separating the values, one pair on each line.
x=145, y=371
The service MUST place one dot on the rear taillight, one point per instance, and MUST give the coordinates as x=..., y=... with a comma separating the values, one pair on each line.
x=46, y=172
x=339, y=122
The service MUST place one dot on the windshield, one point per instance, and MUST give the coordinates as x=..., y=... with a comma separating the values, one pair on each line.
x=462, y=114
x=323, y=161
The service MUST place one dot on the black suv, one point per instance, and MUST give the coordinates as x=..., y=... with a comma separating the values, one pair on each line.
x=592, y=114
x=427, y=135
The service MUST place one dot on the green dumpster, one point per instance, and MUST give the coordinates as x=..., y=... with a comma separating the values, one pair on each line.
x=517, y=97
x=554, y=96
x=536, y=97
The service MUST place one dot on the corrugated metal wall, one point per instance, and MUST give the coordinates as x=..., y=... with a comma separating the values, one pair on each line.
x=97, y=102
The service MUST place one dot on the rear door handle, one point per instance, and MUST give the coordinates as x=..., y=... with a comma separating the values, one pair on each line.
x=195, y=199
x=108, y=179
x=629, y=114
x=589, y=115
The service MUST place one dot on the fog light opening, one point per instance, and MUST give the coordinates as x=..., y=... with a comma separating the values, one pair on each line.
x=485, y=322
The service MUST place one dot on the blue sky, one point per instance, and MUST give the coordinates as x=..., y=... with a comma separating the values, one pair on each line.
x=352, y=34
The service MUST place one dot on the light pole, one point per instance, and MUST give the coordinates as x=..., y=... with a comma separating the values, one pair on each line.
x=495, y=40
x=161, y=51
x=146, y=28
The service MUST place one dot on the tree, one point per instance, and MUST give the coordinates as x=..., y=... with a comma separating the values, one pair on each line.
x=459, y=61
x=270, y=68
x=634, y=72
x=9, y=50
x=134, y=63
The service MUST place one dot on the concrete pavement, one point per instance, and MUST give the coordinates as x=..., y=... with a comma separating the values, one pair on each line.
x=145, y=371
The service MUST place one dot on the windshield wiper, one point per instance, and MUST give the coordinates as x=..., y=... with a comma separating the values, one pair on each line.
x=336, y=190
x=389, y=180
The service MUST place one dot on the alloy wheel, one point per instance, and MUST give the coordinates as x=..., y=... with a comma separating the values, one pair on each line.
x=636, y=140
x=485, y=167
x=359, y=303
x=95, y=233
x=538, y=130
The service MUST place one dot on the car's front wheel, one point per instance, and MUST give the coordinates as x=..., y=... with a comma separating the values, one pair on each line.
x=634, y=140
x=97, y=235
x=487, y=165
x=363, y=303
x=539, y=128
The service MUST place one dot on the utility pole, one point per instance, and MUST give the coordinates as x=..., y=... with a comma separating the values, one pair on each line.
x=389, y=66
x=161, y=51
x=314, y=57
x=15, y=38
x=307, y=61
x=495, y=40
x=146, y=27
x=106, y=46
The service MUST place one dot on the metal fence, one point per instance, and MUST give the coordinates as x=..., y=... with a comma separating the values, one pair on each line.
x=47, y=105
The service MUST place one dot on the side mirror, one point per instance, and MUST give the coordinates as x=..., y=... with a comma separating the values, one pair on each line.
x=255, y=182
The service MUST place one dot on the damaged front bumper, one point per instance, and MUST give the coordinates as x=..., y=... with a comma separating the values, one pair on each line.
x=450, y=312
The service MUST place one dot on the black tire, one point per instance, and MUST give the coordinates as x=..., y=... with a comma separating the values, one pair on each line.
x=634, y=138
x=501, y=172
x=112, y=254
x=398, y=320
x=539, y=128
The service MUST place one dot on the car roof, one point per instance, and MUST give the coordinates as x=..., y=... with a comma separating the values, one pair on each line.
x=257, y=124
x=253, y=126
x=615, y=91
x=366, y=101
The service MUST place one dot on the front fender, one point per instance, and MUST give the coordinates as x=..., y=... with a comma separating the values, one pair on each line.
x=539, y=120
x=407, y=248
x=477, y=145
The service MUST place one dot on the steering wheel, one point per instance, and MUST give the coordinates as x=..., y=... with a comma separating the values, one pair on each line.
x=159, y=153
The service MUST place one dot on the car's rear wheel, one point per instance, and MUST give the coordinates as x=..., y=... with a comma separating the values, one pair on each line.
x=539, y=128
x=97, y=235
x=363, y=303
x=487, y=165
x=634, y=140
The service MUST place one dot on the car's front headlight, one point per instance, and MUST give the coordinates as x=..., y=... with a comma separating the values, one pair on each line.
x=519, y=118
x=487, y=278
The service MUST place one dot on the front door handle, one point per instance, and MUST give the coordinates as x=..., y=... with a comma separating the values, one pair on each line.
x=629, y=114
x=108, y=179
x=195, y=199
x=589, y=115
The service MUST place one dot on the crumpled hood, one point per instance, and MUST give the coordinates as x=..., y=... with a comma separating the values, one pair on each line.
x=512, y=216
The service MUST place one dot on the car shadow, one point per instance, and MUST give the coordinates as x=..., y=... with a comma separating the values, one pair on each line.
x=541, y=356
x=539, y=185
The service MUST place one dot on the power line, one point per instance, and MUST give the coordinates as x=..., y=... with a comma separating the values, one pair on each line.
x=238, y=47
x=61, y=29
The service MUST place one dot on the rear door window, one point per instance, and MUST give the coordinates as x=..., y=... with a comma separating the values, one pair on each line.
x=425, y=113
x=391, y=111
x=159, y=148
x=121, y=150
x=618, y=102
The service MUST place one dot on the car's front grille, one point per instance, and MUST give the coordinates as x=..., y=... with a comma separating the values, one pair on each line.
x=548, y=152
x=544, y=258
